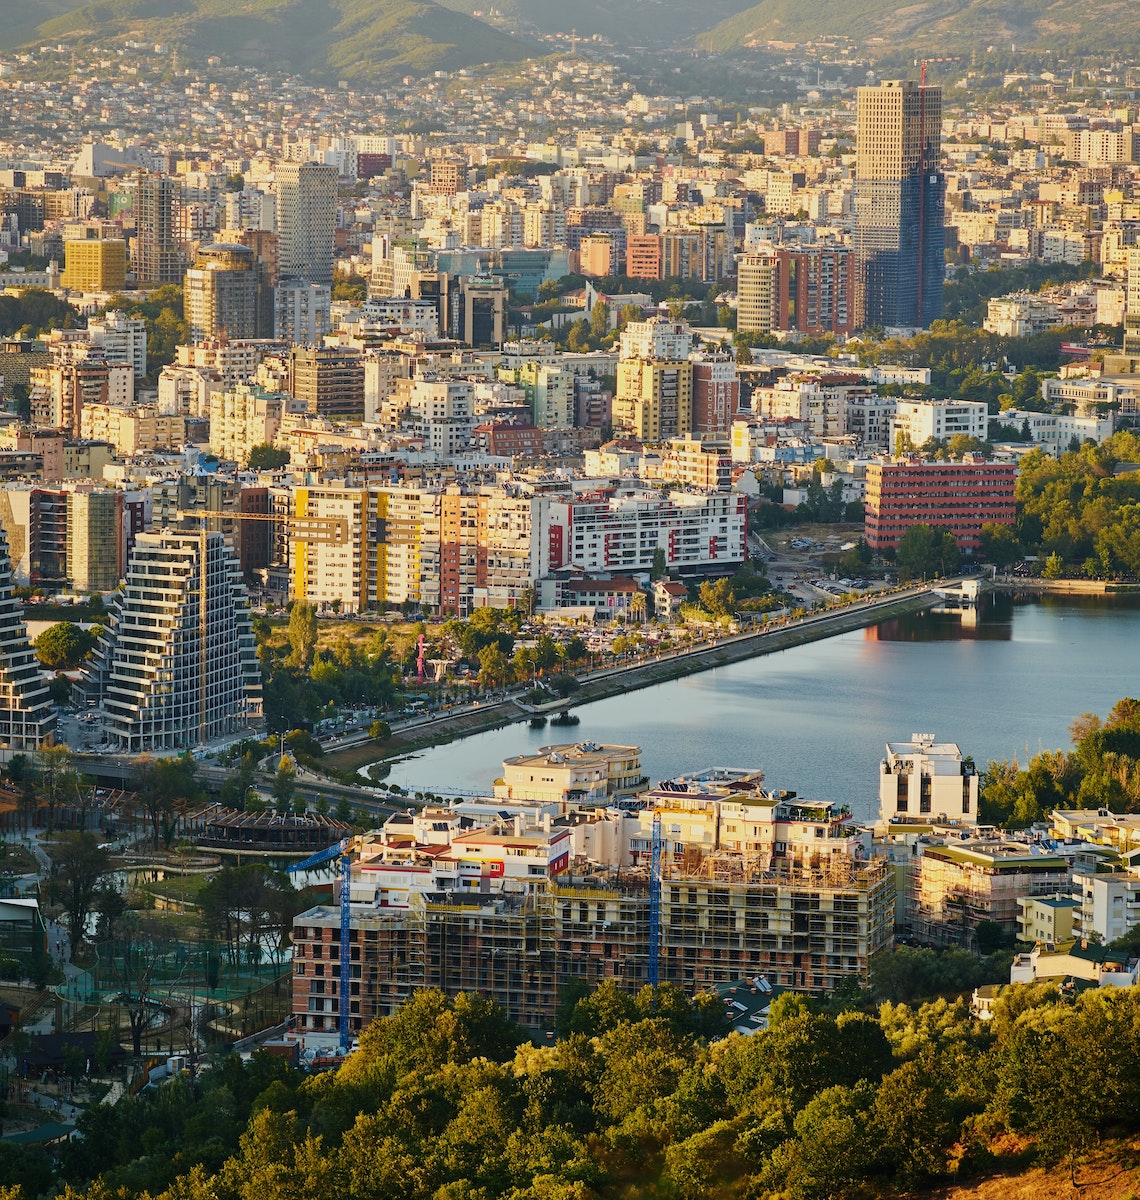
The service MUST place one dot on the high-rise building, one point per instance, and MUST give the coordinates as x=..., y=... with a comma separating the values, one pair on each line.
x=94, y=538
x=797, y=289
x=178, y=666
x=222, y=293
x=156, y=256
x=26, y=714
x=94, y=264
x=306, y=218
x=900, y=196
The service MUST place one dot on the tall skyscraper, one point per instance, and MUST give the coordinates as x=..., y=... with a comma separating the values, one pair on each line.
x=306, y=218
x=156, y=256
x=26, y=713
x=900, y=197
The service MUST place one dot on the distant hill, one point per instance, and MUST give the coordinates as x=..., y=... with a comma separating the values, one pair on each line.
x=934, y=26
x=630, y=23
x=357, y=40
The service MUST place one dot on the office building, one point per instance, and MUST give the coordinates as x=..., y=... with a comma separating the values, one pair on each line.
x=479, y=311
x=306, y=219
x=94, y=263
x=957, y=496
x=223, y=294
x=156, y=257
x=900, y=193
x=177, y=666
x=26, y=713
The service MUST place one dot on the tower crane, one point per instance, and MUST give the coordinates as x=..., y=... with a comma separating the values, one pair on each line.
x=655, y=901
x=341, y=851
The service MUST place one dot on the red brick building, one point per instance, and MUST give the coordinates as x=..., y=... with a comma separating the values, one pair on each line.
x=958, y=496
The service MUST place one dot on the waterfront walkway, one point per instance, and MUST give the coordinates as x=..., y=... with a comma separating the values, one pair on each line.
x=637, y=671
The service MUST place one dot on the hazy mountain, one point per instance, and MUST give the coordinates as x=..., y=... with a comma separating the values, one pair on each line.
x=631, y=23
x=344, y=39
x=934, y=26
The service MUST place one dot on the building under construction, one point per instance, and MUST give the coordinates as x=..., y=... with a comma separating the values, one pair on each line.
x=721, y=918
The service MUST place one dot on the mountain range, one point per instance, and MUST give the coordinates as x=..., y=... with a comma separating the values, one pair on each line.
x=370, y=40
x=356, y=40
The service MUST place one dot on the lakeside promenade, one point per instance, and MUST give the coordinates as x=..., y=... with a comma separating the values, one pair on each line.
x=635, y=673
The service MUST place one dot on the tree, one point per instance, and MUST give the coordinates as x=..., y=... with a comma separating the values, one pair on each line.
x=166, y=787
x=78, y=865
x=284, y=786
x=302, y=635
x=599, y=319
x=660, y=568
x=267, y=458
x=927, y=551
x=56, y=775
x=493, y=666
x=64, y=646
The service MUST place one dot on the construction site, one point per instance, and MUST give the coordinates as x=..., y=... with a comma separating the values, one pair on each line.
x=721, y=918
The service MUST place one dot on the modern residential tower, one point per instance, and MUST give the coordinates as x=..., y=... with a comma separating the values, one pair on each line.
x=178, y=665
x=26, y=714
x=306, y=218
x=900, y=196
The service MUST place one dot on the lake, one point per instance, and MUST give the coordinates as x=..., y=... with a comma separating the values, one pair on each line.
x=1004, y=682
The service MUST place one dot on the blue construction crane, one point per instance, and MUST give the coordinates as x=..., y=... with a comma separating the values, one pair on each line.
x=655, y=900
x=315, y=860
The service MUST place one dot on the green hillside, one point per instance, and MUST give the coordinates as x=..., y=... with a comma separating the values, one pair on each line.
x=357, y=40
x=634, y=23
x=935, y=26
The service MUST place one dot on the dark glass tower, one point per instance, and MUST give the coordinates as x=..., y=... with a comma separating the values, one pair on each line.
x=900, y=199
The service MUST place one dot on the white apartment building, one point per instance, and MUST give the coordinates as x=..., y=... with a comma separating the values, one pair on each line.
x=242, y=417
x=177, y=666
x=1109, y=905
x=922, y=781
x=918, y=420
x=121, y=338
x=1055, y=431
x=657, y=338
x=1020, y=315
x=619, y=530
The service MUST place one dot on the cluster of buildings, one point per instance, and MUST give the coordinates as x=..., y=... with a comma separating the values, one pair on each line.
x=551, y=880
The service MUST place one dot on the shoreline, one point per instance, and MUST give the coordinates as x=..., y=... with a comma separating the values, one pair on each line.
x=618, y=680
x=1064, y=587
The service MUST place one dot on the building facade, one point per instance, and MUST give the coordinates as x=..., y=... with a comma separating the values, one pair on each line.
x=177, y=666
x=958, y=496
x=900, y=194
x=27, y=717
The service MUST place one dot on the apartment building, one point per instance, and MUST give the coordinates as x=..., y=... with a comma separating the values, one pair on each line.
x=27, y=717
x=916, y=421
x=618, y=529
x=515, y=898
x=177, y=666
x=924, y=780
x=955, y=887
x=958, y=496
